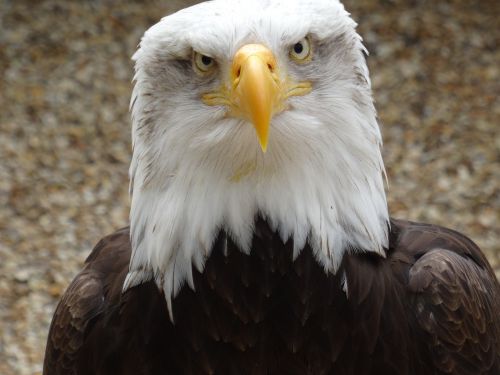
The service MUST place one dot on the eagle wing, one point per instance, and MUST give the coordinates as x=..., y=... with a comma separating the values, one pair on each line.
x=456, y=301
x=84, y=300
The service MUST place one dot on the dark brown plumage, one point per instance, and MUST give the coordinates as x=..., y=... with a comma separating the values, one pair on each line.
x=432, y=306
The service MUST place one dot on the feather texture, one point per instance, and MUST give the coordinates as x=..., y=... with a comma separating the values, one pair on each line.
x=430, y=307
x=321, y=179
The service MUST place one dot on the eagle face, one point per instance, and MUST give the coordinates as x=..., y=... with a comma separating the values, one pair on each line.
x=248, y=108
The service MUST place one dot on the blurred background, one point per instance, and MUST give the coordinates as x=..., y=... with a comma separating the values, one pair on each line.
x=65, y=83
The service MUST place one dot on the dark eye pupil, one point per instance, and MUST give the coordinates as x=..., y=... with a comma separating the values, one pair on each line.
x=298, y=48
x=206, y=60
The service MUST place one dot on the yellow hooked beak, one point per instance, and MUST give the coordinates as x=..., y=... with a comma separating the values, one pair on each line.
x=256, y=92
x=256, y=88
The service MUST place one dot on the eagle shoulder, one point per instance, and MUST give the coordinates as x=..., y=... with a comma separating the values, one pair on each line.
x=90, y=293
x=455, y=299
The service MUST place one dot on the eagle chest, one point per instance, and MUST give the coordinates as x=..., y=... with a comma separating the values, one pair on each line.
x=265, y=313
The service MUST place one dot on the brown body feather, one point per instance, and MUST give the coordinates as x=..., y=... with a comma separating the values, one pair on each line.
x=432, y=306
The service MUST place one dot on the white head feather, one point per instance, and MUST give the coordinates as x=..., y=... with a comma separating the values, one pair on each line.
x=195, y=171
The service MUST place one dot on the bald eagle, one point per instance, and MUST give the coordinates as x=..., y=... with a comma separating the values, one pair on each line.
x=260, y=240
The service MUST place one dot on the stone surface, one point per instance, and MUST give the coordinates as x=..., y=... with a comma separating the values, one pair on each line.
x=65, y=134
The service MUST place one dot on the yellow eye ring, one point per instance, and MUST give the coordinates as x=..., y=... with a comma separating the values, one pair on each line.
x=203, y=63
x=301, y=51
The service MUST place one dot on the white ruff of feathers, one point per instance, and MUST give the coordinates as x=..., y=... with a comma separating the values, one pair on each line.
x=196, y=171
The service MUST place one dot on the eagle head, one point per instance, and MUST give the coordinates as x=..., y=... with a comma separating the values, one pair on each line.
x=245, y=109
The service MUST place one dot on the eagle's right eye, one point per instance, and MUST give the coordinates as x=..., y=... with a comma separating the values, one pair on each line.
x=203, y=63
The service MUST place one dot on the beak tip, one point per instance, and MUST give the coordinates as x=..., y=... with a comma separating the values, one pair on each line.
x=263, y=141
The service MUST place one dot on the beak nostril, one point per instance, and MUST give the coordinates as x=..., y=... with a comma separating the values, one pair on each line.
x=238, y=72
x=270, y=67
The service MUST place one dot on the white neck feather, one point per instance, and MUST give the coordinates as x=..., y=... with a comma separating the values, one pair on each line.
x=325, y=194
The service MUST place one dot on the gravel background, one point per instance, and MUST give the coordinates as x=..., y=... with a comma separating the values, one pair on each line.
x=64, y=134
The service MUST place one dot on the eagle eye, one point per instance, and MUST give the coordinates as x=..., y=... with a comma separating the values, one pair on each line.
x=203, y=63
x=301, y=51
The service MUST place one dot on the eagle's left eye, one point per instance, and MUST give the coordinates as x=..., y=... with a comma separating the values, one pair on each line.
x=203, y=63
x=301, y=51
